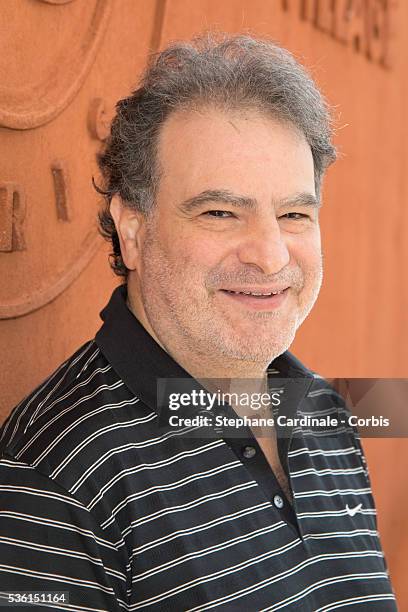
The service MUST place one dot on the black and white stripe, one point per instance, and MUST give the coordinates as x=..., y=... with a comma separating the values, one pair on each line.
x=99, y=500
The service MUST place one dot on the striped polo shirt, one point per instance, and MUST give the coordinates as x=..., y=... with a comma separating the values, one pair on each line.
x=102, y=501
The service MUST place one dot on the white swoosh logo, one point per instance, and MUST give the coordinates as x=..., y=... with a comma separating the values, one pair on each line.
x=353, y=511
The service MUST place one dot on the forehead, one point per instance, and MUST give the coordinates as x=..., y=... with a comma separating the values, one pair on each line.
x=210, y=148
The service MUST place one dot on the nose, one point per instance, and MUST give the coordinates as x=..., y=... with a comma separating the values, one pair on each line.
x=264, y=246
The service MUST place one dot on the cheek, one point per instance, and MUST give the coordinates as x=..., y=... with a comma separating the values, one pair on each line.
x=306, y=250
x=172, y=265
x=196, y=251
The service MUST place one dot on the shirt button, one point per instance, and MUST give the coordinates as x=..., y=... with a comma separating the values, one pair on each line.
x=278, y=501
x=248, y=452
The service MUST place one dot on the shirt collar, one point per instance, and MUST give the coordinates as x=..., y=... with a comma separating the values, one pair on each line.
x=139, y=360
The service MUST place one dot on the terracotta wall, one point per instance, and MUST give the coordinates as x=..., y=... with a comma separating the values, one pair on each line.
x=64, y=63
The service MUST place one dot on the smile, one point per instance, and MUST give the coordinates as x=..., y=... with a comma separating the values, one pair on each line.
x=255, y=294
x=257, y=300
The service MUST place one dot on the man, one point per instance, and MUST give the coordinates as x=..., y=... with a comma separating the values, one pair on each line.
x=213, y=178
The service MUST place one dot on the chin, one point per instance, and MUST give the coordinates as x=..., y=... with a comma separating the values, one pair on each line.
x=262, y=356
x=262, y=347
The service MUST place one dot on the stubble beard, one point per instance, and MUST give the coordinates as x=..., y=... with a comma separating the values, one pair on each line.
x=190, y=326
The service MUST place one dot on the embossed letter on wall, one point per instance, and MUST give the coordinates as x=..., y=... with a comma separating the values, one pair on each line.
x=12, y=213
x=364, y=25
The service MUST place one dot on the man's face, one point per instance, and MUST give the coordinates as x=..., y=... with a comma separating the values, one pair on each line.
x=235, y=212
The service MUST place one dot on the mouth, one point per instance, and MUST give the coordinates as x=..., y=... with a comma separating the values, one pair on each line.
x=258, y=299
x=255, y=293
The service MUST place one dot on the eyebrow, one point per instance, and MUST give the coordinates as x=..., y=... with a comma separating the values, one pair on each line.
x=302, y=199
x=240, y=201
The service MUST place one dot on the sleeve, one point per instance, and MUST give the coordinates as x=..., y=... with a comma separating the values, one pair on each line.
x=50, y=542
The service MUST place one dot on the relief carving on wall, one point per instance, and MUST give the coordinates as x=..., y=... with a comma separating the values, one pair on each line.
x=39, y=88
x=47, y=54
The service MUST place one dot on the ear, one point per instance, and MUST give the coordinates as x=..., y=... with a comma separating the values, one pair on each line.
x=129, y=225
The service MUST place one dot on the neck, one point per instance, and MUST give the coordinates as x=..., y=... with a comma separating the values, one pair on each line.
x=237, y=377
x=225, y=371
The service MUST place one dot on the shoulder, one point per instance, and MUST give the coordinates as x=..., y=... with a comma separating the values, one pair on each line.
x=57, y=403
x=76, y=415
x=30, y=408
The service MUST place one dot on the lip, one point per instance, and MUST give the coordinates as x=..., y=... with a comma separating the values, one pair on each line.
x=258, y=303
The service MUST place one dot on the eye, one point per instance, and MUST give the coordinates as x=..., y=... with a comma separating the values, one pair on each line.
x=223, y=214
x=295, y=216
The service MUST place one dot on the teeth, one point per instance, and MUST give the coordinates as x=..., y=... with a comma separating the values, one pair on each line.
x=255, y=294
